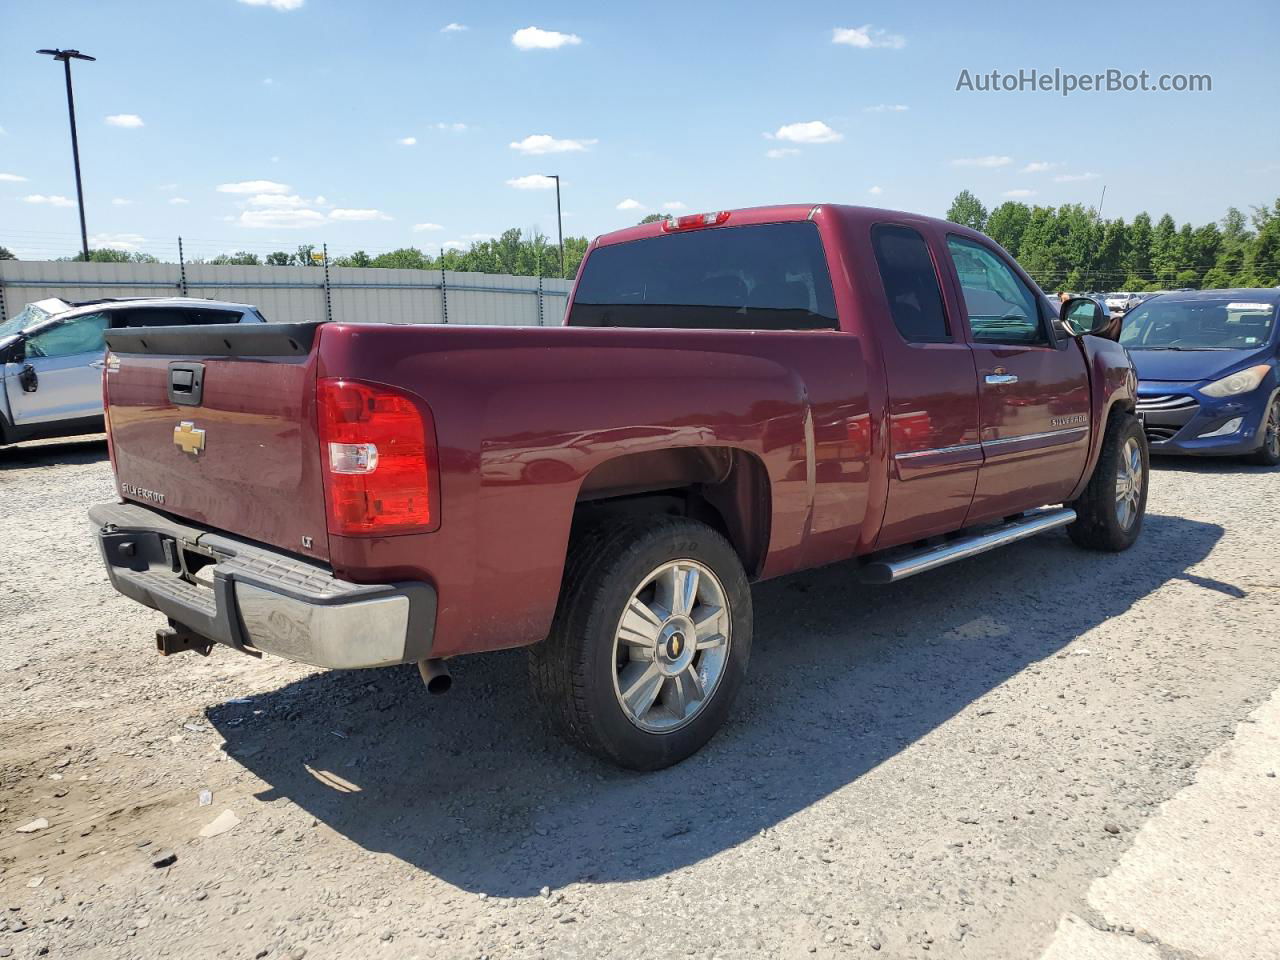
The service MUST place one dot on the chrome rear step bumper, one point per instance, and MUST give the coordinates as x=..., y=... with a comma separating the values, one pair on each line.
x=901, y=566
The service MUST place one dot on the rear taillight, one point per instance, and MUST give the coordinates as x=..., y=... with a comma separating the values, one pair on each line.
x=378, y=459
x=694, y=221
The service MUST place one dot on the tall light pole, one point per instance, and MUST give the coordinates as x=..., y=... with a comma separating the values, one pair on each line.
x=66, y=56
x=559, y=222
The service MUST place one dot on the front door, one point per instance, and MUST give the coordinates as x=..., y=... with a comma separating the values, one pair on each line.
x=933, y=393
x=64, y=381
x=1033, y=389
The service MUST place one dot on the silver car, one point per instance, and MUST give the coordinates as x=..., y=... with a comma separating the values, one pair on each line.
x=51, y=357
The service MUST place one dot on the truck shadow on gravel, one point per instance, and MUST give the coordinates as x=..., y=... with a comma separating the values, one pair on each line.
x=472, y=789
x=52, y=453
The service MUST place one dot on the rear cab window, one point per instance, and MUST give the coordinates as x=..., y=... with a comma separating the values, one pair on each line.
x=770, y=276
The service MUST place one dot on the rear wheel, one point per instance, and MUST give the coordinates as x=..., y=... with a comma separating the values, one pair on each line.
x=1109, y=513
x=650, y=641
x=1269, y=453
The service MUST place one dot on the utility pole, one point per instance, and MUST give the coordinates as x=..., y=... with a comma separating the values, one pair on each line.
x=559, y=222
x=66, y=56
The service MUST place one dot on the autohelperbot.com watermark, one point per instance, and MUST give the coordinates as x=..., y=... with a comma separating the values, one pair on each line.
x=1065, y=82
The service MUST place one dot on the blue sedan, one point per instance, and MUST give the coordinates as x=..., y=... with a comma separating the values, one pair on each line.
x=1207, y=371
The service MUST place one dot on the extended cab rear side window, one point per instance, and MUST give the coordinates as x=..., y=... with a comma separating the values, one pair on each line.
x=1001, y=308
x=910, y=284
x=770, y=276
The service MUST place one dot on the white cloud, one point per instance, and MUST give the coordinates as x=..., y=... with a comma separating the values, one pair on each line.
x=533, y=38
x=422, y=227
x=868, y=37
x=281, y=201
x=120, y=202
x=629, y=204
x=777, y=153
x=130, y=120
x=178, y=201
x=810, y=131
x=1018, y=194
x=988, y=162
x=887, y=108
x=365, y=214
x=540, y=143
x=250, y=186
x=11, y=178
x=285, y=219
x=320, y=201
x=876, y=191
x=281, y=5
x=53, y=201
x=454, y=28
x=407, y=141
x=673, y=205
x=1038, y=166
x=267, y=81
x=1074, y=177
x=130, y=242
x=534, y=181
x=478, y=237
x=452, y=127
x=454, y=245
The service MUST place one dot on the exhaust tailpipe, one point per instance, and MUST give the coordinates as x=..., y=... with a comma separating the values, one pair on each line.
x=435, y=674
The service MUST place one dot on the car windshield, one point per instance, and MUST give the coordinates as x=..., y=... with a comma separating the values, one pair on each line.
x=27, y=317
x=1199, y=325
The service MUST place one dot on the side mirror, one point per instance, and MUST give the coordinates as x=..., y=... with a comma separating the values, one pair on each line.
x=1081, y=315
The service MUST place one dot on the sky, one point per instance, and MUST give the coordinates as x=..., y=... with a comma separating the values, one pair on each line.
x=265, y=124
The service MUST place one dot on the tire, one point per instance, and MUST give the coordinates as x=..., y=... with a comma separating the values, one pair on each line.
x=1268, y=454
x=1108, y=516
x=579, y=672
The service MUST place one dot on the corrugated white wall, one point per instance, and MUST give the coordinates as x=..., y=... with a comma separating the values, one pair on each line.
x=294, y=294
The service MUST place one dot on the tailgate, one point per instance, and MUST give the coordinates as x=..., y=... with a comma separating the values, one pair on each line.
x=217, y=425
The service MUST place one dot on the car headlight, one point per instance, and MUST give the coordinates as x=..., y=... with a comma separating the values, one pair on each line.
x=1242, y=381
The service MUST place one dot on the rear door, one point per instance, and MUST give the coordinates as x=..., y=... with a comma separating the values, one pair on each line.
x=1033, y=390
x=65, y=377
x=217, y=425
x=933, y=391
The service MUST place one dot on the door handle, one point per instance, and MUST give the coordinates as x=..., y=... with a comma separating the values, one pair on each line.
x=97, y=364
x=1001, y=378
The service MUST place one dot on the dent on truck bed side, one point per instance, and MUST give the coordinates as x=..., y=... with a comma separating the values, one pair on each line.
x=524, y=415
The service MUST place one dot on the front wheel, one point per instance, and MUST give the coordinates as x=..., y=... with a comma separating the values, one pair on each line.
x=1109, y=513
x=1269, y=453
x=650, y=640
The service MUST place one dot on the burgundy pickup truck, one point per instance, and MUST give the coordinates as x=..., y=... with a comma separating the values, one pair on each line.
x=734, y=396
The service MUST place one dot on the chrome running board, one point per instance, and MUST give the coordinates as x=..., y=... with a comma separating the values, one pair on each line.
x=909, y=564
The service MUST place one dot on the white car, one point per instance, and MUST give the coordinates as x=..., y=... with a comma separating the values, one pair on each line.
x=1122, y=303
x=51, y=357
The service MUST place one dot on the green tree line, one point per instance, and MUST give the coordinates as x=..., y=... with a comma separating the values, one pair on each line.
x=1071, y=248
x=535, y=255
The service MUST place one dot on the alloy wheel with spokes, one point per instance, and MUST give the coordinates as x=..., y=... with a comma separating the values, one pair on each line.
x=671, y=646
x=1129, y=482
x=1271, y=435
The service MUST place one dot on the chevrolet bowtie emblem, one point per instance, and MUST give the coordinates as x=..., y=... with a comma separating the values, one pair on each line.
x=189, y=437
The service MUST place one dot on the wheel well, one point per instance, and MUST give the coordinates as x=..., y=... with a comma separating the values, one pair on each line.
x=723, y=487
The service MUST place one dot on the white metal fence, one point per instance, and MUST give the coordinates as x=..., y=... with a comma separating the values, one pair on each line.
x=293, y=294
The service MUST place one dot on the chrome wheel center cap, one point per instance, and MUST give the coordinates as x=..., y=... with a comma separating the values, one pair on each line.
x=676, y=645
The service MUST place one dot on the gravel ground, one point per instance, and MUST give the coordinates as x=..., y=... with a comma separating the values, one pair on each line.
x=934, y=769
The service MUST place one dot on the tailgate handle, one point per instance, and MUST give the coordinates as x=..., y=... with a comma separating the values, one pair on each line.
x=186, y=383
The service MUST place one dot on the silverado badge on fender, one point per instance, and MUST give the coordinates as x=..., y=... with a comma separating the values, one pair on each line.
x=189, y=437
